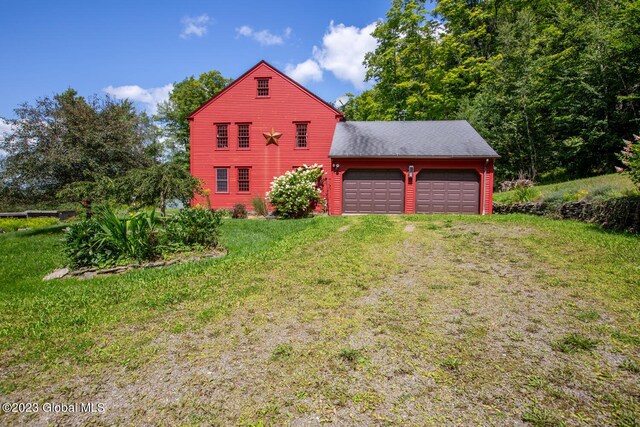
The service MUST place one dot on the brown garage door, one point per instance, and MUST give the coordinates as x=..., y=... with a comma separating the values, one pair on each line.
x=448, y=191
x=373, y=191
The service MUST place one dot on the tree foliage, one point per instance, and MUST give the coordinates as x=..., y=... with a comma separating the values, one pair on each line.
x=630, y=157
x=551, y=84
x=185, y=98
x=153, y=186
x=66, y=138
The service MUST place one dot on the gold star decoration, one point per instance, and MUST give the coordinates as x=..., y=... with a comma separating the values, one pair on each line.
x=272, y=137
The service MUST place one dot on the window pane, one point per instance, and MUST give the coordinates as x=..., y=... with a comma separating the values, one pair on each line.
x=301, y=135
x=243, y=136
x=243, y=179
x=222, y=180
x=223, y=139
x=263, y=87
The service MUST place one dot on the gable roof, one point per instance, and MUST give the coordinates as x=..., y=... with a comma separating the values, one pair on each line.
x=274, y=69
x=438, y=139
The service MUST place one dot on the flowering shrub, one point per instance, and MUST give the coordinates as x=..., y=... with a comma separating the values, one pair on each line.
x=296, y=193
x=630, y=157
x=516, y=183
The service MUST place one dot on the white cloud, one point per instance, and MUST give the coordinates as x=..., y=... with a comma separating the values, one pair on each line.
x=194, y=26
x=304, y=72
x=149, y=97
x=4, y=127
x=264, y=37
x=341, y=100
x=342, y=53
x=343, y=50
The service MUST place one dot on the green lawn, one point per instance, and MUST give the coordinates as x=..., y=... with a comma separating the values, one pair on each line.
x=419, y=320
x=613, y=185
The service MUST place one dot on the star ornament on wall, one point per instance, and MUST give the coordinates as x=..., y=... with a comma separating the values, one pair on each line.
x=272, y=137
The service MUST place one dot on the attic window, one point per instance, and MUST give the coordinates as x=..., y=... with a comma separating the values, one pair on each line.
x=263, y=87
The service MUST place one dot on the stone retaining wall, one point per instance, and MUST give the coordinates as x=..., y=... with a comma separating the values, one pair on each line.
x=622, y=214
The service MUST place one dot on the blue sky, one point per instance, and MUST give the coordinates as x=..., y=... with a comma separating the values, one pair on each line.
x=137, y=49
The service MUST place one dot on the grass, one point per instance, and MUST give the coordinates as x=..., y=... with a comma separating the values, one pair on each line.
x=454, y=323
x=540, y=417
x=451, y=363
x=603, y=186
x=575, y=342
x=281, y=352
x=13, y=224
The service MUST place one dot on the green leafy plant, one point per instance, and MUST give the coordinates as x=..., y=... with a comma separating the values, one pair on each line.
x=239, y=211
x=260, y=206
x=133, y=237
x=525, y=194
x=84, y=246
x=295, y=194
x=192, y=228
x=107, y=239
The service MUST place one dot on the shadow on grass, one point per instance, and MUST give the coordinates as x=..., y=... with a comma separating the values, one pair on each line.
x=52, y=229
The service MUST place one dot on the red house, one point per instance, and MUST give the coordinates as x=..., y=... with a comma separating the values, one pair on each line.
x=264, y=124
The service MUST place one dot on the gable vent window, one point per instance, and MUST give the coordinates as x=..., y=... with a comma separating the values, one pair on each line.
x=263, y=87
x=301, y=135
x=223, y=136
x=243, y=136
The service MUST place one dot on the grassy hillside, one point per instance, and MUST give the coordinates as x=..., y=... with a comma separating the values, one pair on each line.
x=603, y=186
x=367, y=320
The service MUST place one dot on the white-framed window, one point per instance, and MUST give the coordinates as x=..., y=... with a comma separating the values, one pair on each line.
x=222, y=180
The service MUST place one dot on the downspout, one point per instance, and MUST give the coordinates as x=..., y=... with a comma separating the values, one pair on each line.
x=484, y=188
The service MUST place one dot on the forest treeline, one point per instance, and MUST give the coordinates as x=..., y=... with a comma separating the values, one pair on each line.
x=552, y=85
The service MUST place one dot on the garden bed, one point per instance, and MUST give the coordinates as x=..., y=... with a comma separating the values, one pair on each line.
x=91, y=272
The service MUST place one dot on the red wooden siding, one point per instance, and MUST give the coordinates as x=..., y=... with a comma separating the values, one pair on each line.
x=288, y=104
x=478, y=165
x=287, y=109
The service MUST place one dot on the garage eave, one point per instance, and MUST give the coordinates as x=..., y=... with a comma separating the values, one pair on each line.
x=390, y=156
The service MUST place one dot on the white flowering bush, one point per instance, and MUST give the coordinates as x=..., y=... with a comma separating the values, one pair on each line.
x=296, y=193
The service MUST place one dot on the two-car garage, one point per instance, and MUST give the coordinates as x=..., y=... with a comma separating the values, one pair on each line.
x=383, y=191
x=410, y=167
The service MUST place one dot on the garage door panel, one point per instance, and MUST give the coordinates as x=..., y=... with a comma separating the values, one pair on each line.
x=373, y=191
x=447, y=191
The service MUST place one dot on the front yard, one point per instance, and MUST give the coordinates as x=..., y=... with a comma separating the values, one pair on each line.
x=412, y=320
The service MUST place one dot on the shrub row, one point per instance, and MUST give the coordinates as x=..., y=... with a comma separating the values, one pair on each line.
x=622, y=214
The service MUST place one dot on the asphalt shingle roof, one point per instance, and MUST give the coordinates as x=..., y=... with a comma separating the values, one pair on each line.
x=446, y=138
